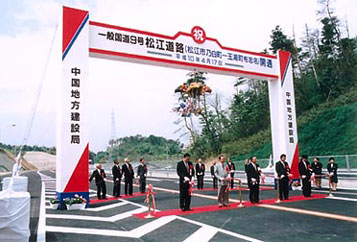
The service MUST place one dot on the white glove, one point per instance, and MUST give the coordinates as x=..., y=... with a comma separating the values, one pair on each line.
x=186, y=179
x=282, y=176
x=254, y=180
x=331, y=174
x=117, y=179
x=303, y=176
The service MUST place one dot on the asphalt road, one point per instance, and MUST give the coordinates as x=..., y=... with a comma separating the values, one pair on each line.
x=108, y=220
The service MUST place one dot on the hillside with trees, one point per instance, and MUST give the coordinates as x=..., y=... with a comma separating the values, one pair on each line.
x=325, y=77
x=151, y=148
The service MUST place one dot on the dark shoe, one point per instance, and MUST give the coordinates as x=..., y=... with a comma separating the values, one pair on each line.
x=188, y=209
x=225, y=205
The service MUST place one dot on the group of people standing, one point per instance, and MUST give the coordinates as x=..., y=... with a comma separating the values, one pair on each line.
x=222, y=174
x=125, y=172
x=331, y=167
x=307, y=172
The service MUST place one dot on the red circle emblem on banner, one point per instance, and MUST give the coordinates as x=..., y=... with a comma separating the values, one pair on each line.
x=198, y=34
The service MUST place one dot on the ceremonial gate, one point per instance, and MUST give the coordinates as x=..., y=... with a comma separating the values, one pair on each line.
x=82, y=39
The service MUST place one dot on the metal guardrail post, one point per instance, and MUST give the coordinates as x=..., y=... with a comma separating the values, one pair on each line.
x=348, y=164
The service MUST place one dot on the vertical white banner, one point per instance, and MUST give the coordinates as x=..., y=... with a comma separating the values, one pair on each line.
x=72, y=132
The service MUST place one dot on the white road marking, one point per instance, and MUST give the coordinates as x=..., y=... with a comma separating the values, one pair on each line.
x=149, y=227
x=110, y=206
x=94, y=218
x=334, y=192
x=205, y=233
x=41, y=230
x=240, y=236
x=343, y=198
x=91, y=231
x=309, y=212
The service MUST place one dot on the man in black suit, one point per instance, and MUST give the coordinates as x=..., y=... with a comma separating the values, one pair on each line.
x=305, y=174
x=200, y=173
x=186, y=172
x=283, y=172
x=253, y=174
x=213, y=175
x=99, y=175
x=141, y=173
x=116, y=171
x=128, y=172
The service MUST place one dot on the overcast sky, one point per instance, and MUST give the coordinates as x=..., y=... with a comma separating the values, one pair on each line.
x=140, y=95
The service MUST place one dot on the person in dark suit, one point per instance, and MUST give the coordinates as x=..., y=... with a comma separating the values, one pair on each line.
x=117, y=174
x=142, y=173
x=332, y=172
x=253, y=174
x=283, y=172
x=99, y=175
x=212, y=168
x=128, y=172
x=186, y=172
x=232, y=169
x=316, y=167
x=200, y=173
x=305, y=174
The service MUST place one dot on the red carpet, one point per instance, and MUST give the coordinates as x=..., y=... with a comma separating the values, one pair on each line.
x=211, y=208
x=137, y=194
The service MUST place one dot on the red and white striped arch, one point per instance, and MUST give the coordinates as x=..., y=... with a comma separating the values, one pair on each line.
x=83, y=39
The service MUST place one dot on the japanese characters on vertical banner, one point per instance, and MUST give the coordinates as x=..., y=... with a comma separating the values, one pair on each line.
x=290, y=117
x=75, y=106
x=187, y=49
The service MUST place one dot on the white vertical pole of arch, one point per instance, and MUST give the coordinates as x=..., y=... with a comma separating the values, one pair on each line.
x=72, y=154
x=283, y=114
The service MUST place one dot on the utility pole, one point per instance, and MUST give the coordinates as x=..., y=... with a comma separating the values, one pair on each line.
x=112, y=140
